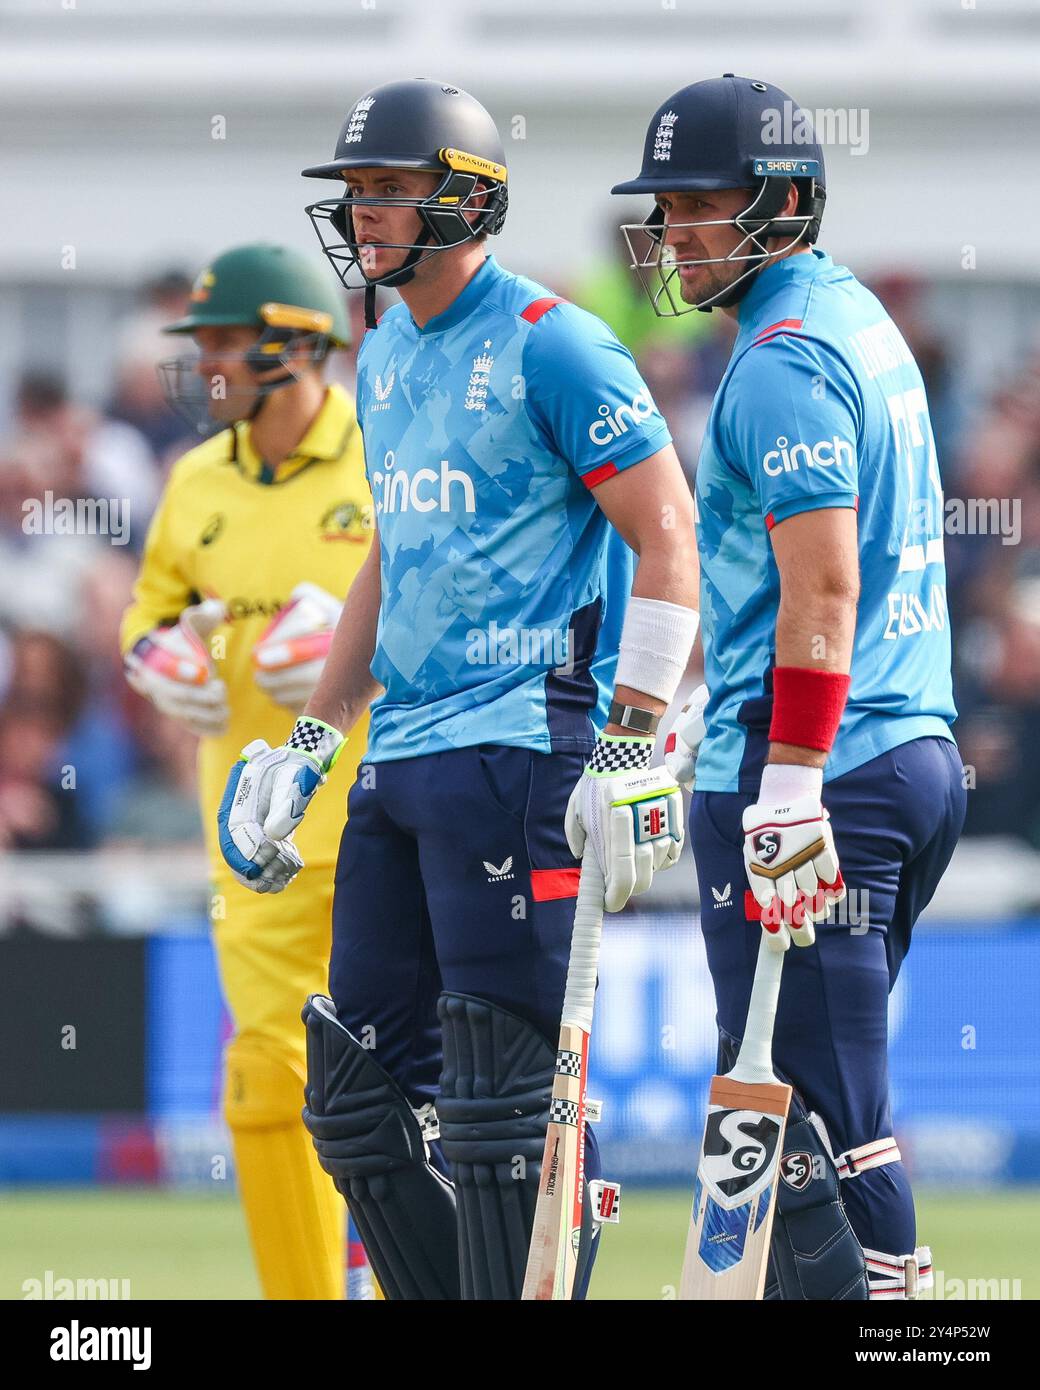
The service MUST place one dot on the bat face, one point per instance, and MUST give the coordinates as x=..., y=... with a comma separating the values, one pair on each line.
x=727, y=1249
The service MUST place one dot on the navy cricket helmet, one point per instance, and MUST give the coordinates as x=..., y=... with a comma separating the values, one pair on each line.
x=726, y=132
x=416, y=123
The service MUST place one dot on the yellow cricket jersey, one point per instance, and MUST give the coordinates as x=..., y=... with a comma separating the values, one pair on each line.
x=229, y=526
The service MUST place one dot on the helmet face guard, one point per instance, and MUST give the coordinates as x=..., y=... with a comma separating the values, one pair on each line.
x=726, y=133
x=658, y=268
x=469, y=185
x=292, y=340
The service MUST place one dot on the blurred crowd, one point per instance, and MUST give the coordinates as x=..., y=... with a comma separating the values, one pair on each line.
x=84, y=761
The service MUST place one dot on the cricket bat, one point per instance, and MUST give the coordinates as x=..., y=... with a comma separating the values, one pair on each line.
x=553, y=1256
x=734, y=1194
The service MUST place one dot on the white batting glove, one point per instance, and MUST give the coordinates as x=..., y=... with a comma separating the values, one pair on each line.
x=792, y=867
x=631, y=812
x=171, y=666
x=289, y=655
x=268, y=790
x=680, y=747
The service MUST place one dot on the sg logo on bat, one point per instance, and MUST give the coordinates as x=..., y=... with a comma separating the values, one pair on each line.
x=739, y=1147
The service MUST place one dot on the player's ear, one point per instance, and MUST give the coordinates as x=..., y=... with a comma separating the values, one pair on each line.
x=475, y=201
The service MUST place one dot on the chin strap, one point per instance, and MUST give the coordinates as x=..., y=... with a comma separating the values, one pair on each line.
x=264, y=393
x=370, y=306
x=759, y=221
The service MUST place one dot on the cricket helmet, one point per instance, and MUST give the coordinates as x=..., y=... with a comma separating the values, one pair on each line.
x=416, y=123
x=726, y=132
x=299, y=316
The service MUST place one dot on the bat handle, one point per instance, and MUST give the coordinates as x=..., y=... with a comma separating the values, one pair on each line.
x=580, y=992
x=755, y=1059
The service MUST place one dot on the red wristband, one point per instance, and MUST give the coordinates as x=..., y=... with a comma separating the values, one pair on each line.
x=807, y=706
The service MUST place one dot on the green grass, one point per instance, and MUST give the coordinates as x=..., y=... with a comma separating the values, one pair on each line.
x=973, y=1235
x=180, y=1246
x=168, y=1244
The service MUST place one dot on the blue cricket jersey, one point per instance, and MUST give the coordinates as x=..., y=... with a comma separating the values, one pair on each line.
x=822, y=405
x=503, y=583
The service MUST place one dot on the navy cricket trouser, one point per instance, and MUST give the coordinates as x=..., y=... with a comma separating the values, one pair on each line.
x=896, y=821
x=454, y=874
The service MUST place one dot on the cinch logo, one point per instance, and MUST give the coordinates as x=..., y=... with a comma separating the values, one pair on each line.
x=784, y=459
x=612, y=426
x=396, y=492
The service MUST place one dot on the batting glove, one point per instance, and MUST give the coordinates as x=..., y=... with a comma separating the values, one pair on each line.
x=631, y=812
x=792, y=867
x=268, y=791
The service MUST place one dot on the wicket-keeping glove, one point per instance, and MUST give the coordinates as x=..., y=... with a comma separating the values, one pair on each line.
x=290, y=653
x=792, y=867
x=268, y=790
x=632, y=812
x=171, y=666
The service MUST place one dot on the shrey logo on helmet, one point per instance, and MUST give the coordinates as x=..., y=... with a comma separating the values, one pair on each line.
x=710, y=137
x=414, y=124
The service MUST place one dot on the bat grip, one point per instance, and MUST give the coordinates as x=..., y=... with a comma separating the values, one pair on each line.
x=755, y=1059
x=580, y=993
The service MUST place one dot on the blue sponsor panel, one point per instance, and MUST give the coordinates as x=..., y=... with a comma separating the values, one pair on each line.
x=187, y=1025
x=965, y=1063
x=50, y=1149
x=965, y=1055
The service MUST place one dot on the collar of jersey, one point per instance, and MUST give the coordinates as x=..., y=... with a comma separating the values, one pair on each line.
x=463, y=304
x=777, y=277
x=325, y=440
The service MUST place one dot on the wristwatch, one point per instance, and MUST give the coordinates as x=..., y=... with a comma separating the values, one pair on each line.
x=631, y=717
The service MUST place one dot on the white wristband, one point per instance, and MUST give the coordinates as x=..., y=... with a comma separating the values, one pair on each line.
x=783, y=782
x=656, y=642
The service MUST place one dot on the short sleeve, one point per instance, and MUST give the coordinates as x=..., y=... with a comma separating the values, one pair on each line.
x=790, y=423
x=586, y=396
